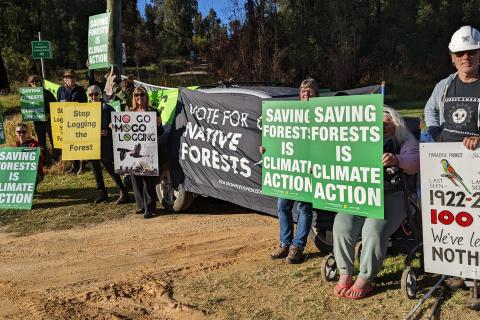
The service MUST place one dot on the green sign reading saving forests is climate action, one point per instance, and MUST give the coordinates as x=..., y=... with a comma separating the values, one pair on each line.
x=98, y=41
x=18, y=174
x=31, y=104
x=327, y=151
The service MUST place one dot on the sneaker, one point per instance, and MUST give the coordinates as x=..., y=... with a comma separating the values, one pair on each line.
x=295, y=255
x=123, y=198
x=280, y=253
x=102, y=196
x=140, y=211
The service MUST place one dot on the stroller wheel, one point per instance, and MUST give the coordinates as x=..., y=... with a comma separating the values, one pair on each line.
x=329, y=268
x=409, y=282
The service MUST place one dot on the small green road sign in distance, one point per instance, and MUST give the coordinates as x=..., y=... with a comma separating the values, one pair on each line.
x=42, y=49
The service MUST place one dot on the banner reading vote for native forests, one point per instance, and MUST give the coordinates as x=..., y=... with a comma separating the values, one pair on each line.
x=135, y=149
x=98, y=41
x=31, y=104
x=450, y=182
x=81, y=131
x=18, y=173
x=327, y=151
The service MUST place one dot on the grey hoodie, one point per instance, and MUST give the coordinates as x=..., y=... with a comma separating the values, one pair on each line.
x=434, y=107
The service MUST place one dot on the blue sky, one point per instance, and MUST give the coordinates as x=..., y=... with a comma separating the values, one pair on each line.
x=223, y=8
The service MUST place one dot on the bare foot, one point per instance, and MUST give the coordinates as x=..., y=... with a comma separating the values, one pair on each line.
x=360, y=289
x=343, y=285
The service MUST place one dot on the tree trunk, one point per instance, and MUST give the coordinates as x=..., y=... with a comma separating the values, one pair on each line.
x=114, y=33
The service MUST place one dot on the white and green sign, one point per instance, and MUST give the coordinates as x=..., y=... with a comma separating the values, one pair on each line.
x=42, y=49
x=32, y=104
x=327, y=151
x=98, y=41
x=18, y=174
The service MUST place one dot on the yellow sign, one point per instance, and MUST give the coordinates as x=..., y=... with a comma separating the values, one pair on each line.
x=56, y=120
x=81, y=131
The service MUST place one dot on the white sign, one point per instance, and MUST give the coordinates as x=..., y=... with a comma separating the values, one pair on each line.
x=135, y=149
x=450, y=181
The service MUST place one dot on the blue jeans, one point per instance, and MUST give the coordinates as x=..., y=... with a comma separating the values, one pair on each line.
x=304, y=222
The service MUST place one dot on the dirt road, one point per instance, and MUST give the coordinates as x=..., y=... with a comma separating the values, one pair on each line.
x=208, y=263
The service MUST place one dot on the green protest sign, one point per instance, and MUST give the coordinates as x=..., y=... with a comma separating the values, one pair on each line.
x=31, y=104
x=286, y=139
x=98, y=41
x=41, y=49
x=327, y=151
x=2, y=131
x=18, y=174
x=347, y=134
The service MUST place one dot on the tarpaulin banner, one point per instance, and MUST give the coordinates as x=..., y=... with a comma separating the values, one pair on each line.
x=18, y=174
x=450, y=184
x=31, y=104
x=214, y=147
x=51, y=86
x=98, y=26
x=327, y=151
x=81, y=131
x=135, y=148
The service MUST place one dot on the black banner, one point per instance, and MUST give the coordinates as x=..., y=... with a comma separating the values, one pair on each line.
x=214, y=143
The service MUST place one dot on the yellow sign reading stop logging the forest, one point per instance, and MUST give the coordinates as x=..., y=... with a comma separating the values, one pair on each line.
x=81, y=131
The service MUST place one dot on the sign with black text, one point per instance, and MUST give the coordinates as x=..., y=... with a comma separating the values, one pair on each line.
x=450, y=205
x=135, y=149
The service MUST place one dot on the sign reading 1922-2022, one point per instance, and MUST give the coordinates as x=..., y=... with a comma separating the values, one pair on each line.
x=98, y=41
x=327, y=151
x=42, y=49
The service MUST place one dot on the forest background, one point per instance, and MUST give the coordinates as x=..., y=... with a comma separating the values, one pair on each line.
x=343, y=44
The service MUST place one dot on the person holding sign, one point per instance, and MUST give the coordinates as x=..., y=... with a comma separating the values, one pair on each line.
x=144, y=186
x=401, y=160
x=452, y=113
x=71, y=92
x=106, y=157
x=42, y=128
x=25, y=141
x=290, y=247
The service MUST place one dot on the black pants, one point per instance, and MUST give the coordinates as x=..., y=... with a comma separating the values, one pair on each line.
x=97, y=172
x=42, y=128
x=145, y=192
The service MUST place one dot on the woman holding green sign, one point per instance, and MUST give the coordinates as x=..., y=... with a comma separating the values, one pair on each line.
x=291, y=247
x=400, y=159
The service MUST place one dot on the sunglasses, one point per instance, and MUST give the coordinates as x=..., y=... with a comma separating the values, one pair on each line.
x=139, y=94
x=469, y=53
x=35, y=81
x=21, y=131
x=93, y=94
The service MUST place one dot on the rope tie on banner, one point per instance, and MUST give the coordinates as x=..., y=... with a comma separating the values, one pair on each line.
x=149, y=87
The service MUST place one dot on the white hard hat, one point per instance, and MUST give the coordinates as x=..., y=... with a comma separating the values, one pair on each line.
x=465, y=38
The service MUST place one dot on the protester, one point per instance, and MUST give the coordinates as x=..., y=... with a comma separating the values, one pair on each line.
x=449, y=116
x=25, y=141
x=42, y=128
x=452, y=113
x=124, y=94
x=291, y=247
x=144, y=186
x=401, y=160
x=70, y=91
x=106, y=156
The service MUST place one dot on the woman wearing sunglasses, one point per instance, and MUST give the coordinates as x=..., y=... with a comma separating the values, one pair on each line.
x=106, y=151
x=24, y=140
x=144, y=186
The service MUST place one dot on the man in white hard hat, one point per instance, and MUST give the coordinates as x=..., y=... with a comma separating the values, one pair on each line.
x=452, y=114
x=449, y=116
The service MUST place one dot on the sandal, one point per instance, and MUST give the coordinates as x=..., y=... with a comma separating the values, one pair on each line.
x=341, y=288
x=364, y=293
